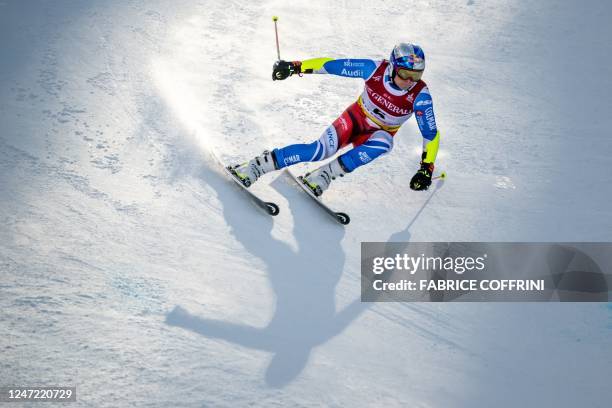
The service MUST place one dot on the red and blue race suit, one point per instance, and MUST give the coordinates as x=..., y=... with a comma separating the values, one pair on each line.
x=370, y=123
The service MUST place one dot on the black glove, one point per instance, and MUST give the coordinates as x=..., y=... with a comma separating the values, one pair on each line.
x=422, y=179
x=284, y=69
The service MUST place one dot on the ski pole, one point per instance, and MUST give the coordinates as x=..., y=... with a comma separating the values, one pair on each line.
x=441, y=176
x=275, y=19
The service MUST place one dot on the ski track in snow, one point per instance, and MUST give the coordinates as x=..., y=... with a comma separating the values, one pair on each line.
x=134, y=270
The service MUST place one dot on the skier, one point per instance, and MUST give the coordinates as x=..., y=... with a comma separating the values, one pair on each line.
x=393, y=91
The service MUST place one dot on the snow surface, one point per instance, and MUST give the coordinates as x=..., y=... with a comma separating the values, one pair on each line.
x=132, y=269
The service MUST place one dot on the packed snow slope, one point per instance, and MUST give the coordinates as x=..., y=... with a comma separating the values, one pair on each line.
x=133, y=269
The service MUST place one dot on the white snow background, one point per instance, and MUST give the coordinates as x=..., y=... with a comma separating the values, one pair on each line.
x=131, y=268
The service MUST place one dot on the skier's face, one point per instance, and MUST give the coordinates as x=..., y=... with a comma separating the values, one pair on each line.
x=403, y=83
x=405, y=78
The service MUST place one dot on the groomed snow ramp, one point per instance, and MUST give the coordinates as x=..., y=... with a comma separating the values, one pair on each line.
x=132, y=268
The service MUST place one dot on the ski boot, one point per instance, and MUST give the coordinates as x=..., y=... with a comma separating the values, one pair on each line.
x=249, y=172
x=319, y=180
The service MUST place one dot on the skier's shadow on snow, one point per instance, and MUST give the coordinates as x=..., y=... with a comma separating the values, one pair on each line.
x=303, y=281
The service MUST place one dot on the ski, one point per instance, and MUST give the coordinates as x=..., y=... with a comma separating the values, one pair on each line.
x=269, y=207
x=340, y=217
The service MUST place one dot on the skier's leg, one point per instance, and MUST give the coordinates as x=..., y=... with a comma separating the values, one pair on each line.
x=379, y=143
x=336, y=135
x=315, y=151
x=286, y=156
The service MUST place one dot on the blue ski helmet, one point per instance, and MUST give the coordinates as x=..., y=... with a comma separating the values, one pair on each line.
x=407, y=56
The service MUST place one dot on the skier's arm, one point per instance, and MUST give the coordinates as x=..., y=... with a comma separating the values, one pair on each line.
x=352, y=68
x=427, y=125
x=423, y=109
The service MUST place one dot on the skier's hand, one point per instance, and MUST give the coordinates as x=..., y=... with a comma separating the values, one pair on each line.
x=422, y=179
x=284, y=69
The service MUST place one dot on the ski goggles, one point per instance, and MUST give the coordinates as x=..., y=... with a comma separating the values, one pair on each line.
x=408, y=74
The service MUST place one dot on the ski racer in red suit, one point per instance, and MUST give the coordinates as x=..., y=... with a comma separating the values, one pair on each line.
x=393, y=92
